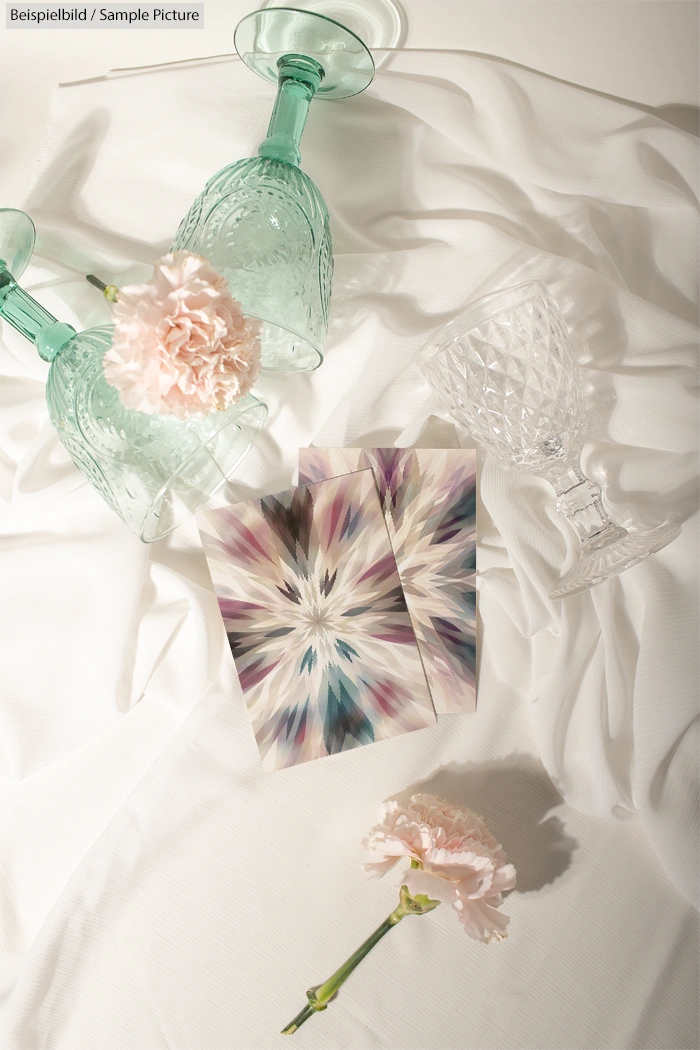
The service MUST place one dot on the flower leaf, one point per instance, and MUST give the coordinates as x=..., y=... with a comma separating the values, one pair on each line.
x=419, y=904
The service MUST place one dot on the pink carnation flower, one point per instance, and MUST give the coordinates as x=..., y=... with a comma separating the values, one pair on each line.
x=182, y=345
x=454, y=859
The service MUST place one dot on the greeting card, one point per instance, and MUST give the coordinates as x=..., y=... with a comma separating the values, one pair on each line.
x=429, y=501
x=316, y=618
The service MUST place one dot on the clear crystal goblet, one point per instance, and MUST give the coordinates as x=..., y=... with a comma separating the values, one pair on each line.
x=504, y=370
x=152, y=470
x=261, y=222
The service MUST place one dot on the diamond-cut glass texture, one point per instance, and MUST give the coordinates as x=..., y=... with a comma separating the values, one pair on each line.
x=505, y=372
x=511, y=381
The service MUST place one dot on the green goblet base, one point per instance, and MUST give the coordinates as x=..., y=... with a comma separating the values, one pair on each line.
x=17, y=240
x=381, y=24
x=265, y=37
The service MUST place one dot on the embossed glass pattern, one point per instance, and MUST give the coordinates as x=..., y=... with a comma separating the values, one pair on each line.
x=154, y=471
x=261, y=222
x=263, y=225
x=505, y=371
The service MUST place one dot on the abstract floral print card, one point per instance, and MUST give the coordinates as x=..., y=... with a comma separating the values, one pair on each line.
x=316, y=618
x=429, y=501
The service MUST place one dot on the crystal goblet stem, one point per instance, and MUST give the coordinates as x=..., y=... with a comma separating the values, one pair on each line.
x=504, y=370
x=580, y=500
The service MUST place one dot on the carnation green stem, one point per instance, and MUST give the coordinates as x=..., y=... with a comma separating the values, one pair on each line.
x=110, y=291
x=320, y=997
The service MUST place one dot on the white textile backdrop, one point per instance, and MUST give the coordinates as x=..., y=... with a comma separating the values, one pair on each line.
x=158, y=890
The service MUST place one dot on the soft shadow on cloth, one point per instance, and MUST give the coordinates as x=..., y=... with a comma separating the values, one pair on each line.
x=449, y=177
x=516, y=798
x=59, y=189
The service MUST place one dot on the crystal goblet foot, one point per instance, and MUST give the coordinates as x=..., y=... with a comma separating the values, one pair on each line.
x=152, y=470
x=261, y=222
x=504, y=370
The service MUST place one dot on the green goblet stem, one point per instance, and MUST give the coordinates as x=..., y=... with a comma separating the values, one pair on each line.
x=318, y=998
x=299, y=79
x=31, y=319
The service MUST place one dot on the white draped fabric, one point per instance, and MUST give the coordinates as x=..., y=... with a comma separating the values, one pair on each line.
x=159, y=892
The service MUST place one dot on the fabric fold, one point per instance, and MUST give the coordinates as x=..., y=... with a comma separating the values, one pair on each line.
x=453, y=175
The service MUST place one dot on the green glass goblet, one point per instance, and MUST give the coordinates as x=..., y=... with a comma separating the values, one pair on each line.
x=153, y=470
x=261, y=222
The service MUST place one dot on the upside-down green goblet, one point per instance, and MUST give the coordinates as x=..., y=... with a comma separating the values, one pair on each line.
x=153, y=470
x=261, y=222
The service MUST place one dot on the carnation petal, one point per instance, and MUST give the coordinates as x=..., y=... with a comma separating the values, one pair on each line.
x=460, y=862
x=504, y=879
x=481, y=921
x=182, y=345
x=377, y=868
x=419, y=881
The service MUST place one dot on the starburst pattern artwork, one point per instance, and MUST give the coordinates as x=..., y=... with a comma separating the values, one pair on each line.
x=316, y=618
x=429, y=502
